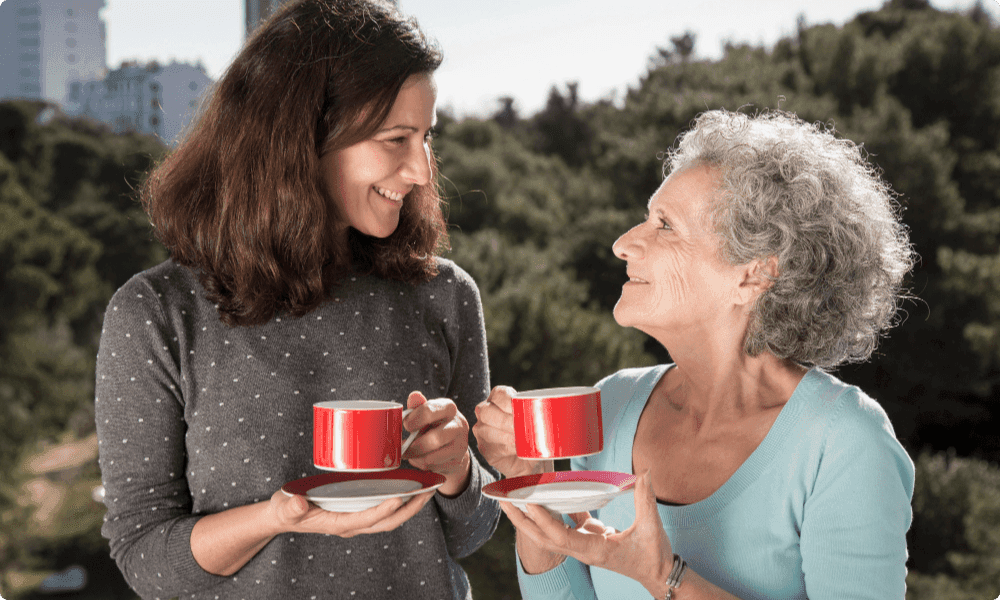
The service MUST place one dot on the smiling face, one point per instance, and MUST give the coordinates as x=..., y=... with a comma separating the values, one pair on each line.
x=370, y=180
x=677, y=282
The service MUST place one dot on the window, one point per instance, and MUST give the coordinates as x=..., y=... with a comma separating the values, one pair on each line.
x=70, y=43
x=70, y=27
x=154, y=121
x=28, y=42
x=30, y=57
x=28, y=11
x=27, y=72
x=74, y=90
x=193, y=86
x=154, y=87
x=69, y=12
x=29, y=26
x=71, y=58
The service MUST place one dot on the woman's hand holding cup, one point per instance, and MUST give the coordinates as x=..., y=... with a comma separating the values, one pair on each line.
x=439, y=443
x=443, y=445
x=494, y=431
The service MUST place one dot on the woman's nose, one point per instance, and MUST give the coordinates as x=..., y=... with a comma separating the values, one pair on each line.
x=629, y=245
x=416, y=167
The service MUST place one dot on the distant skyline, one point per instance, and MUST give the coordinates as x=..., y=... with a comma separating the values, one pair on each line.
x=518, y=48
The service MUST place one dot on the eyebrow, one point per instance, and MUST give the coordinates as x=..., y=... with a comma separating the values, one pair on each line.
x=665, y=212
x=404, y=127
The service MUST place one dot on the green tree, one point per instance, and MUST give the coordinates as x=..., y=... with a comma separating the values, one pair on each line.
x=954, y=541
x=71, y=232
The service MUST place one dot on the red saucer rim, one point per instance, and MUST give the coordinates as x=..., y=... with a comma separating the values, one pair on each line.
x=301, y=487
x=623, y=481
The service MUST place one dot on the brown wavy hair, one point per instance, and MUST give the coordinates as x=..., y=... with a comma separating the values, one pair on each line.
x=242, y=202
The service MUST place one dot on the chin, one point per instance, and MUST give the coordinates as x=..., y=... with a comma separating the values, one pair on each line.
x=621, y=315
x=635, y=316
x=381, y=232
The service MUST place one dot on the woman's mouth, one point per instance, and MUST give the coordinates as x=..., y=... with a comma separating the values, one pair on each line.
x=389, y=194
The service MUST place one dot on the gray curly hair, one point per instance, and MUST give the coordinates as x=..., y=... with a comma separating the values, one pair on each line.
x=793, y=191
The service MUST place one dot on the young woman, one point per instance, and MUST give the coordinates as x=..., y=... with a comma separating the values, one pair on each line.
x=303, y=222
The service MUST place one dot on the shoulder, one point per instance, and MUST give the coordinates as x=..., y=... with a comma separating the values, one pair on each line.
x=857, y=433
x=450, y=274
x=452, y=289
x=627, y=382
x=142, y=311
x=627, y=390
x=850, y=409
x=157, y=285
x=167, y=294
x=163, y=280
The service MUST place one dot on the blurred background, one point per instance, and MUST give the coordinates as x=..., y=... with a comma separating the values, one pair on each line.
x=553, y=118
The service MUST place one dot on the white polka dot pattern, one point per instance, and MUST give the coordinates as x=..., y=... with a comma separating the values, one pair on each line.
x=195, y=418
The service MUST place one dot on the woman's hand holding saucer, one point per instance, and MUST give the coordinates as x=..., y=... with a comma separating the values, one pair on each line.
x=296, y=514
x=641, y=552
x=494, y=431
x=443, y=445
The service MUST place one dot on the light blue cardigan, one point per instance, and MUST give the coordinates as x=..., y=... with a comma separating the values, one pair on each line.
x=819, y=510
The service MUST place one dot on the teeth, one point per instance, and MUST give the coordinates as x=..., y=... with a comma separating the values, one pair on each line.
x=394, y=196
x=637, y=280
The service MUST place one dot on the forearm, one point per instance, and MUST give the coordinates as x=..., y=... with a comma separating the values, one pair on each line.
x=534, y=558
x=468, y=519
x=223, y=542
x=694, y=587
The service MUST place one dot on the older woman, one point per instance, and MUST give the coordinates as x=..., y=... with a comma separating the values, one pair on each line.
x=771, y=253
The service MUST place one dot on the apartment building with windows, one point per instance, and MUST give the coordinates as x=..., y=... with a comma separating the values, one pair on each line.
x=147, y=98
x=45, y=45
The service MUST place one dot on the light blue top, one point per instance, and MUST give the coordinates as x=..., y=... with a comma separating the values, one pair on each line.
x=819, y=510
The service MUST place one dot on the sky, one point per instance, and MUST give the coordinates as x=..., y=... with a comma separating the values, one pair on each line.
x=494, y=48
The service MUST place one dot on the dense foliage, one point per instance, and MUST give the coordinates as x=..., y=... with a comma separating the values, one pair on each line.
x=535, y=203
x=70, y=234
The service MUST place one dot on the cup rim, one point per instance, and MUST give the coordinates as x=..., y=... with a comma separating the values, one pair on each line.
x=561, y=392
x=357, y=405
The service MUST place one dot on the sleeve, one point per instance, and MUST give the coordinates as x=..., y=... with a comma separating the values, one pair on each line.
x=469, y=519
x=569, y=581
x=141, y=429
x=853, y=537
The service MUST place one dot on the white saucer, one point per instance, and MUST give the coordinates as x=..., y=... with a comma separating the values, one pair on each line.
x=563, y=492
x=355, y=492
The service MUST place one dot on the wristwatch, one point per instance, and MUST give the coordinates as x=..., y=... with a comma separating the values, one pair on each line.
x=676, y=577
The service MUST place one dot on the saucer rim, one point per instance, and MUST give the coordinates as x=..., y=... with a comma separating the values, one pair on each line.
x=428, y=481
x=499, y=490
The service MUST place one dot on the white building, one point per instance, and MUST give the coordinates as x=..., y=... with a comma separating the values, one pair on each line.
x=47, y=44
x=152, y=98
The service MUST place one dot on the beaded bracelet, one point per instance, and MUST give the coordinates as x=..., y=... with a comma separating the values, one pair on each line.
x=675, y=577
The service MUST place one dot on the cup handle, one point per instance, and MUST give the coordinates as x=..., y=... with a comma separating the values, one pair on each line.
x=412, y=437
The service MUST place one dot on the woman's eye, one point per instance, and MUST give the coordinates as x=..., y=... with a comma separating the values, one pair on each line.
x=661, y=223
x=430, y=135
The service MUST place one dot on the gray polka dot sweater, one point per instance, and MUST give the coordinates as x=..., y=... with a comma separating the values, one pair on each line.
x=194, y=417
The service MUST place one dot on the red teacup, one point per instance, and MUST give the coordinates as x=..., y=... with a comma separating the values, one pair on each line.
x=558, y=423
x=359, y=435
